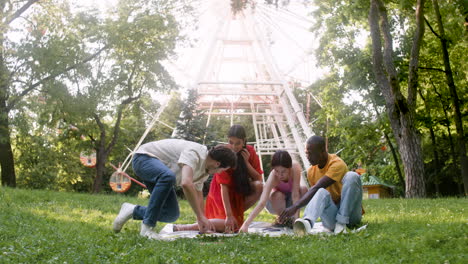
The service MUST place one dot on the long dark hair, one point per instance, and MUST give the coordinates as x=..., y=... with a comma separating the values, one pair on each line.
x=240, y=174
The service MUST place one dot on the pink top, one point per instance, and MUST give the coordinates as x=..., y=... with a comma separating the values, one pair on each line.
x=285, y=187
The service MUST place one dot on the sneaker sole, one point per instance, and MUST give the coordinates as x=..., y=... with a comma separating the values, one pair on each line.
x=299, y=228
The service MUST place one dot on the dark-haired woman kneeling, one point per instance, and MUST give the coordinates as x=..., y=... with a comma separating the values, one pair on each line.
x=281, y=189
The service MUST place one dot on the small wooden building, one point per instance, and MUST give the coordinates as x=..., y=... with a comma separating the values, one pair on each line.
x=375, y=188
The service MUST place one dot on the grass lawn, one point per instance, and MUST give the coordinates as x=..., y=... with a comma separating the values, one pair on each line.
x=58, y=227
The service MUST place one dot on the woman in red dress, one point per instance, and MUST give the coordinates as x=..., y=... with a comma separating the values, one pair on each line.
x=232, y=192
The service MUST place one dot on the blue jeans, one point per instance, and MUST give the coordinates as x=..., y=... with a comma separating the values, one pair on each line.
x=160, y=181
x=348, y=211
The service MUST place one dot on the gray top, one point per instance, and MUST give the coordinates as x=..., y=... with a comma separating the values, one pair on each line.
x=175, y=153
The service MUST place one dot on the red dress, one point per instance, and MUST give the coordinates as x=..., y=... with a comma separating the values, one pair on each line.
x=214, y=207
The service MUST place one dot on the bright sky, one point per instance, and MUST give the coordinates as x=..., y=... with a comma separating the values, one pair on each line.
x=286, y=29
x=291, y=43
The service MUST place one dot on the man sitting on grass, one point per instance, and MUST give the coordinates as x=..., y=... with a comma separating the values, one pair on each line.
x=335, y=195
x=161, y=165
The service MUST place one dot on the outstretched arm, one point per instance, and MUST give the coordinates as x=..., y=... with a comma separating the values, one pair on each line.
x=324, y=182
x=230, y=223
x=272, y=181
x=193, y=196
x=296, y=188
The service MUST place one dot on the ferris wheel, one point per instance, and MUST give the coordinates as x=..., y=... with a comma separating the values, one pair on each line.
x=246, y=63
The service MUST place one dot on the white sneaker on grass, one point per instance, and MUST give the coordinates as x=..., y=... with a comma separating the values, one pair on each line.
x=340, y=228
x=147, y=231
x=302, y=227
x=125, y=214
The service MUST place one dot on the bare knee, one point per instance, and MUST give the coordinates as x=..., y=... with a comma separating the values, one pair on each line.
x=277, y=196
x=257, y=187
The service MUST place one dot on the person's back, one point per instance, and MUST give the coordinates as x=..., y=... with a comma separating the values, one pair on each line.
x=161, y=165
x=175, y=152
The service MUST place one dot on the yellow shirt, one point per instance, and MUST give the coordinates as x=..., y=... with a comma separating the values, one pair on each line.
x=335, y=169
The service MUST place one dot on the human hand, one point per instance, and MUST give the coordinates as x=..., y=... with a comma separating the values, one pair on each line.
x=244, y=229
x=286, y=214
x=245, y=154
x=204, y=225
x=230, y=225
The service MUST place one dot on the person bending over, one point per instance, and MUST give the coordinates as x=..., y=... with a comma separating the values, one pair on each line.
x=165, y=163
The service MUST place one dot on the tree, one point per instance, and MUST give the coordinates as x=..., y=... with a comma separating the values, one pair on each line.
x=453, y=94
x=32, y=61
x=401, y=110
x=349, y=111
x=191, y=125
x=140, y=35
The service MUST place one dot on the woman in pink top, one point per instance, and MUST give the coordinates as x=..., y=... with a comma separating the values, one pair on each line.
x=281, y=189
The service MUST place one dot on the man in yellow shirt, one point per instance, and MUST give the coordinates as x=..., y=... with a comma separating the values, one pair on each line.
x=335, y=195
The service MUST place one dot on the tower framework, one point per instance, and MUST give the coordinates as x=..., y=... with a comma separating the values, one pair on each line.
x=238, y=77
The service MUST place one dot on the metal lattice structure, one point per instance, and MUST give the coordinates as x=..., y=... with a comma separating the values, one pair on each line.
x=238, y=76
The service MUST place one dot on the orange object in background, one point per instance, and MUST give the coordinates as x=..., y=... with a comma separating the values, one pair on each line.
x=360, y=171
x=88, y=159
x=119, y=183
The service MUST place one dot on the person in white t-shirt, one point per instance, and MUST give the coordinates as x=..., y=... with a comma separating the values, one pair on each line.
x=164, y=163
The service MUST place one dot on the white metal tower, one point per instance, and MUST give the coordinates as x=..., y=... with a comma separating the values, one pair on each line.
x=238, y=76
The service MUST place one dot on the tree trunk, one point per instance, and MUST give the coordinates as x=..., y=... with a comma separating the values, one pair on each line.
x=392, y=149
x=395, y=159
x=437, y=161
x=103, y=152
x=449, y=131
x=455, y=99
x=101, y=159
x=101, y=156
x=434, y=145
x=6, y=152
x=400, y=110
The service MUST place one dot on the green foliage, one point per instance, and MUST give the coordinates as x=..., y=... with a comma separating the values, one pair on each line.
x=358, y=126
x=95, y=98
x=238, y=6
x=46, y=226
x=191, y=125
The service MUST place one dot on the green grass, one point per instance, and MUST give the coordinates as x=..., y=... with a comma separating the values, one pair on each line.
x=57, y=227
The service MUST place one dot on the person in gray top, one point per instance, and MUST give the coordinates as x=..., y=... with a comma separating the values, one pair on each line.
x=165, y=163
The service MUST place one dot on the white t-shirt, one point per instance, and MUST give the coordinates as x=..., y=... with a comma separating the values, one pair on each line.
x=175, y=153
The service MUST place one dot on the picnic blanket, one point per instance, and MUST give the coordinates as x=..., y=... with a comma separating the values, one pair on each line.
x=261, y=228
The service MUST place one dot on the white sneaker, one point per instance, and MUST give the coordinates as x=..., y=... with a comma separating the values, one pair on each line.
x=147, y=231
x=125, y=214
x=340, y=228
x=302, y=227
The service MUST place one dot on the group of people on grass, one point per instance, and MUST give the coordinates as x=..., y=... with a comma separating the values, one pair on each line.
x=335, y=195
